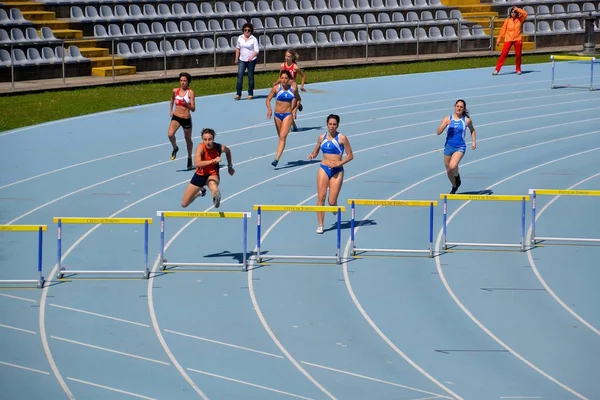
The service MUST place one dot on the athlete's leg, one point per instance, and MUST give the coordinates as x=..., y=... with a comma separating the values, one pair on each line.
x=322, y=185
x=335, y=185
x=518, y=50
x=283, y=129
x=503, y=55
x=173, y=126
x=187, y=132
x=213, y=185
x=190, y=194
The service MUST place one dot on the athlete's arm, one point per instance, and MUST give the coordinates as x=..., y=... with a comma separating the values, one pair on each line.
x=443, y=125
x=315, y=152
x=192, y=104
x=268, y=102
x=227, y=151
x=473, y=134
x=349, y=154
x=172, y=102
x=301, y=73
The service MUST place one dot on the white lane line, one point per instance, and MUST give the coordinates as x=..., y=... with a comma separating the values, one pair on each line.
x=43, y=336
x=347, y=249
x=16, y=329
x=18, y=298
x=539, y=275
x=99, y=315
x=249, y=384
x=468, y=312
x=370, y=120
x=139, y=396
x=341, y=371
x=521, y=397
x=25, y=368
x=109, y=350
x=223, y=343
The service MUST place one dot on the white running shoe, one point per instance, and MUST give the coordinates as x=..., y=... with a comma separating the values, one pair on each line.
x=217, y=199
x=320, y=230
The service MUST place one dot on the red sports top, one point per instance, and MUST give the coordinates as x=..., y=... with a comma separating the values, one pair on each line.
x=209, y=154
x=291, y=69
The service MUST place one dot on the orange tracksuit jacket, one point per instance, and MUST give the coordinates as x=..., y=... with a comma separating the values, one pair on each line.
x=511, y=30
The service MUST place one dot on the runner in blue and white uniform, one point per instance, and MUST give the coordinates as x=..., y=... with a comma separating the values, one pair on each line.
x=455, y=147
x=331, y=171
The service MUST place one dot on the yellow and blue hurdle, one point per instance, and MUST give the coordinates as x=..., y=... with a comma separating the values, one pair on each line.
x=554, y=192
x=213, y=214
x=573, y=58
x=40, y=229
x=391, y=203
x=477, y=197
x=339, y=209
x=118, y=221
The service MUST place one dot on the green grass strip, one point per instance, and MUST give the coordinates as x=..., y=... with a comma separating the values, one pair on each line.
x=30, y=109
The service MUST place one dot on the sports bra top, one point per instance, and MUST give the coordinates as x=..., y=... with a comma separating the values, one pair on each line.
x=285, y=95
x=332, y=146
x=179, y=98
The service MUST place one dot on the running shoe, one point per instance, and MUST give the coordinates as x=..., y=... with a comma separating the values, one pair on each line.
x=202, y=192
x=300, y=107
x=189, y=163
x=454, y=189
x=320, y=230
x=458, y=181
x=275, y=162
x=217, y=199
x=174, y=153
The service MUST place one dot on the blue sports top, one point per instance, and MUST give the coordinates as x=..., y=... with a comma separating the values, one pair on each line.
x=285, y=95
x=332, y=146
x=456, y=132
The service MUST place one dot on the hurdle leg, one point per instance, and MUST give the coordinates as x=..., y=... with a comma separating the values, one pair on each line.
x=245, y=244
x=40, y=283
x=258, y=221
x=339, y=236
x=552, y=81
x=533, y=212
x=59, y=249
x=162, y=242
x=523, y=225
x=146, y=271
x=353, y=215
x=431, y=230
x=444, y=220
x=592, y=74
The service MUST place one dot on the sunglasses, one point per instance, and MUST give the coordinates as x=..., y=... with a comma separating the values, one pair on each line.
x=246, y=30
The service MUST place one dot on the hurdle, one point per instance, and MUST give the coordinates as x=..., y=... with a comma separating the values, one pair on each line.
x=185, y=214
x=553, y=192
x=391, y=203
x=40, y=229
x=339, y=209
x=96, y=221
x=474, y=197
x=573, y=58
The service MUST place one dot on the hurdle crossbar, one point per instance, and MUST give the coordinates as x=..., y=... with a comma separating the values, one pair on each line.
x=285, y=208
x=213, y=214
x=475, y=197
x=554, y=58
x=40, y=229
x=391, y=203
x=96, y=221
x=553, y=192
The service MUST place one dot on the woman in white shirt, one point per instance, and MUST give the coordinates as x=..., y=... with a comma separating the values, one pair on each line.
x=246, y=54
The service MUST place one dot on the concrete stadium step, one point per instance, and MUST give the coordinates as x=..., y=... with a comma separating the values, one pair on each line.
x=93, y=52
x=85, y=43
x=526, y=46
x=59, y=24
x=24, y=5
x=39, y=15
x=67, y=33
x=119, y=70
x=474, y=8
x=105, y=61
x=453, y=3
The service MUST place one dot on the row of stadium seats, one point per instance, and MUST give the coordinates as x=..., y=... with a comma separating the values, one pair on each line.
x=28, y=35
x=47, y=56
x=13, y=17
x=573, y=10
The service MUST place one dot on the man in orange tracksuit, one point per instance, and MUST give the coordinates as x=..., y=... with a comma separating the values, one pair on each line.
x=511, y=33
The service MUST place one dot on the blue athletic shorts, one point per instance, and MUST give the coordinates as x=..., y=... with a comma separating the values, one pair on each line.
x=449, y=150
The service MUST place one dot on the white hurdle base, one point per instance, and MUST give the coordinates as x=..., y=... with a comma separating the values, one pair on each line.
x=39, y=283
x=64, y=272
x=537, y=239
x=188, y=264
x=260, y=257
x=356, y=249
x=448, y=244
